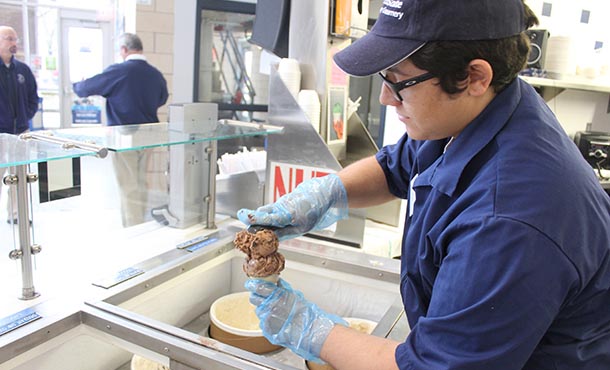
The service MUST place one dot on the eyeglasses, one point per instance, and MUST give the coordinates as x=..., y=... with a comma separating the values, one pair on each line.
x=396, y=87
x=11, y=39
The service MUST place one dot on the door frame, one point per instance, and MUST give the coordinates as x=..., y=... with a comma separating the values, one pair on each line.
x=81, y=18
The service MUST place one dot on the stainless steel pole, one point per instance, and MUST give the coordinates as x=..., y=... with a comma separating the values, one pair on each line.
x=23, y=212
x=211, y=150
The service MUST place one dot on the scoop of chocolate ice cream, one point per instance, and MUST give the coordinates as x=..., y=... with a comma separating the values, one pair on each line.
x=264, y=266
x=264, y=244
x=243, y=241
x=262, y=258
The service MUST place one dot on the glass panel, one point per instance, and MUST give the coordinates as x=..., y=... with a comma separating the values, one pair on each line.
x=85, y=48
x=136, y=137
x=15, y=152
x=102, y=6
x=48, y=68
x=11, y=15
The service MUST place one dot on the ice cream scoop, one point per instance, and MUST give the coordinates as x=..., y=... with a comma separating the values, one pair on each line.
x=252, y=229
x=264, y=266
x=260, y=245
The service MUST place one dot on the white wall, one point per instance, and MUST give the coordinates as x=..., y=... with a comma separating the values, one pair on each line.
x=185, y=20
x=574, y=108
x=155, y=26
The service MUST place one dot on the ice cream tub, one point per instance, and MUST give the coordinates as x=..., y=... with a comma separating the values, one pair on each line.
x=142, y=363
x=233, y=322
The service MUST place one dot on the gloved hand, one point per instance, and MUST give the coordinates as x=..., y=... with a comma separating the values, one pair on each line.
x=289, y=320
x=313, y=205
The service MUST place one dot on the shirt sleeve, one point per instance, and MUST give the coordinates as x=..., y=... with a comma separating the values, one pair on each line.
x=164, y=92
x=499, y=287
x=32, y=104
x=396, y=161
x=100, y=84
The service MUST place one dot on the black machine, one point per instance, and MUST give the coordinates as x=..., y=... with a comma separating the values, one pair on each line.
x=538, y=41
x=270, y=30
x=595, y=147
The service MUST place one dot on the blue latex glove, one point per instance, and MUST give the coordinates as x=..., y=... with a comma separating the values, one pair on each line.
x=313, y=205
x=289, y=320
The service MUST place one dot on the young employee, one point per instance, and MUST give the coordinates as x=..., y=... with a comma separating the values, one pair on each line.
x=506, y=247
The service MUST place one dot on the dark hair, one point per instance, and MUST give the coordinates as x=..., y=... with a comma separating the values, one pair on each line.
x=448, y=60
x=131, y=41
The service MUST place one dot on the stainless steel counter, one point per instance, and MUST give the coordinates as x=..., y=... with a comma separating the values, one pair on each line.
x=162, y=312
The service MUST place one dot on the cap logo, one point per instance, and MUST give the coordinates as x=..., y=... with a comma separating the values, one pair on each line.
x=395, y=4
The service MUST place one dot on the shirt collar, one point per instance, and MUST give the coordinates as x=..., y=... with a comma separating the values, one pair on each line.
x=10, y=63
x=135, y=57
x=478, y=134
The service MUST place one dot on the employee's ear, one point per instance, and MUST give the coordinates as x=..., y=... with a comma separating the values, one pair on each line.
x=480, y=75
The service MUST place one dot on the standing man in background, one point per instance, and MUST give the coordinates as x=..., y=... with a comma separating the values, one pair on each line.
x=18, y=100
x=134, y=91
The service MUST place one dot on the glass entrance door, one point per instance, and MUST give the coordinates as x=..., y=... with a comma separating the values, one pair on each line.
x=86, y=51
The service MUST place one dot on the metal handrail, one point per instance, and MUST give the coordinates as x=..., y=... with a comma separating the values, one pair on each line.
x=100, y=151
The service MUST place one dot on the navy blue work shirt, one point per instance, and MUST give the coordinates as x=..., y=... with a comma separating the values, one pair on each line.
x=133, y=89
x=18, y=97
x=506, y=247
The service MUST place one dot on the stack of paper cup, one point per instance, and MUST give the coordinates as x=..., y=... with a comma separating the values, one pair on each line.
x=310, y=104
x=560, y=57
x=290, y=73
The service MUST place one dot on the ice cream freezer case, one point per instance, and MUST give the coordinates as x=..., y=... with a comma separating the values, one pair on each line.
x=162, y=314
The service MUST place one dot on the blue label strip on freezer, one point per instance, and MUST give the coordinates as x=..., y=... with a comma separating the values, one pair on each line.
x=119, y=277
x=201, y=244
x=17, y=320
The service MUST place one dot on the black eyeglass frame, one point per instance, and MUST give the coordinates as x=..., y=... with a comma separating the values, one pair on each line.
x=397, y=87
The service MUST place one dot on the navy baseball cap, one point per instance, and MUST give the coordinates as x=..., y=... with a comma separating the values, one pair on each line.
x=404, y=26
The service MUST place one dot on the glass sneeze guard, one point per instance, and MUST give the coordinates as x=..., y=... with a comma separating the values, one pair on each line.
x=191, y=201
x=16, y=151
x=150, y=135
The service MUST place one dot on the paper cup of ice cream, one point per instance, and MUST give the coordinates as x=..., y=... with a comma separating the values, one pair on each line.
x=271, y=278
x=233, y=322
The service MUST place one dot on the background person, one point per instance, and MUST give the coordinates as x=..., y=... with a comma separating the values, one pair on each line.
x=506, y=248
x=134, y=91
x=18, y=101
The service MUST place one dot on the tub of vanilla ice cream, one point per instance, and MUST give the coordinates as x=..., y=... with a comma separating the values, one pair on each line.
x=233, y=321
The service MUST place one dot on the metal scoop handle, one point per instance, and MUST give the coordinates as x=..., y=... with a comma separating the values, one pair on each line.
x=253, y=229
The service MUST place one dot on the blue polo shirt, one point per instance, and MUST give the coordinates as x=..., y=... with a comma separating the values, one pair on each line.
x=506, y=247
x=133, y=89
x=18, y=97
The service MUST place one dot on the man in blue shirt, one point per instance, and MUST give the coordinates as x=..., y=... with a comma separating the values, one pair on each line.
x=134, y=91
x=18, y=99
x=506, y=247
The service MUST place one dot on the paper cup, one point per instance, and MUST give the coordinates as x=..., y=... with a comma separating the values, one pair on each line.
x=271, y=278
x=233, y=322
